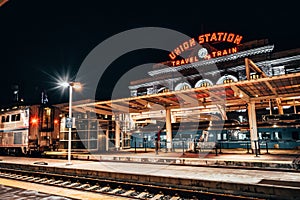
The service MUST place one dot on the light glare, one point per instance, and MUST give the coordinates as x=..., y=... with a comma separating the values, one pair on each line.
x=64, y=84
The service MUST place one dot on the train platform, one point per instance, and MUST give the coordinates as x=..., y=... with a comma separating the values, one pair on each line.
x=272, y=183
x=273, y=159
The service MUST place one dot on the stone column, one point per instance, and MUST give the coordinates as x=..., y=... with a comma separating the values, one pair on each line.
x=252, y=125
x=117, y=135
x=169, y=129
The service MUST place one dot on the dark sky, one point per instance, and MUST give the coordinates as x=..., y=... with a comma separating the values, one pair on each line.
x=42, y=38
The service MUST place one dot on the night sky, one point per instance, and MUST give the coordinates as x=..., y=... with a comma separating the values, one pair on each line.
x=41, y=39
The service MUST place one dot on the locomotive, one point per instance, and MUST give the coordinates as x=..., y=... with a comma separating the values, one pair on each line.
x=29, y=129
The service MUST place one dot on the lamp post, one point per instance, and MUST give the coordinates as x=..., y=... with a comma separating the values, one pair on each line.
x=71, y=85
x=70, y=127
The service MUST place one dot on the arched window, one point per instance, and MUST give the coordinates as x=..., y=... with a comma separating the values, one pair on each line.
x=203, y=83
x=183, y=86
x=227, y=79
x=163, y=89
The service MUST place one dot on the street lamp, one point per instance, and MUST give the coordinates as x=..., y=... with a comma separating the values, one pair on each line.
x=71, y=85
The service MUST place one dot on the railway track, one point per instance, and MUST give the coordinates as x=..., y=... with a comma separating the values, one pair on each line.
x=116, y=188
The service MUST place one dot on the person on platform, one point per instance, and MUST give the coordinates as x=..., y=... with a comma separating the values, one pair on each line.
x=157, y=140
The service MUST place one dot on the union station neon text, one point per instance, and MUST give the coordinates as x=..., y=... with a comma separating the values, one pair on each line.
x=213, y=54
x=206, y=38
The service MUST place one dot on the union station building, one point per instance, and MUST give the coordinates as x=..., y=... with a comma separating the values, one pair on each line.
x=214, y=88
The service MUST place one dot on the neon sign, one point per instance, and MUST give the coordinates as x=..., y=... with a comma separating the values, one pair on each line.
x=215, y=37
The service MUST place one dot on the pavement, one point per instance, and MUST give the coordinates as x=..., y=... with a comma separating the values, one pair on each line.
x=273, y=159
x=273, y=175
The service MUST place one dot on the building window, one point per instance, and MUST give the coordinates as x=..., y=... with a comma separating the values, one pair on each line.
x=254, y=76
x=228, y=80
x=185, y=87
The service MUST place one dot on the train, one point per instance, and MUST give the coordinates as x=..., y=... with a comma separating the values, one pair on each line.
x=228, y=134
x=29, y=129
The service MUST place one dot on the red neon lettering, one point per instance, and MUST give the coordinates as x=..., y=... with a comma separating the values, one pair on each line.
x=220, y=34
x=192, y=42
x=230, y=37
x=201, y=39
x=224, y=38
x=181, y=48
x=177, y=51
x=238, y=39
x=172, y=55
x=186, y=45
x=213, y=37
x=191, y=59
x=206, y=37
x=234, y=50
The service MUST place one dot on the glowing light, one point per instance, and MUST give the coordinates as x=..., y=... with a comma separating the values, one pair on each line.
x=58, y=79
x=34, y=120
x=75, y=85
x=64, y=84
x=55, y=121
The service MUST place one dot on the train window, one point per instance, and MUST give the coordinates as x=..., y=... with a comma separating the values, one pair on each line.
x=259, y=136
x=16, y=117
x=224, y=136
x=277, y=135
x=47, y=119
x=3, y=119
x=295, y=135
x=219, y=136
x=7, y=118
x=266, y=135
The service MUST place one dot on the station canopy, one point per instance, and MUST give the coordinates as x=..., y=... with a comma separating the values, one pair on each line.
x=232, y=96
